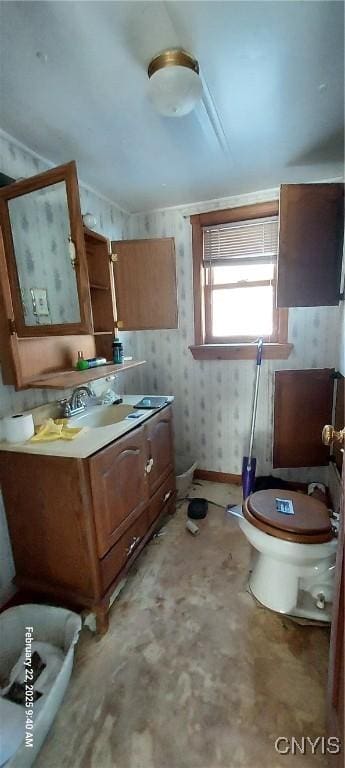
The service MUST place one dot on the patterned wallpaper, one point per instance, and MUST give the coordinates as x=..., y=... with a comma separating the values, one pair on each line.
x=17, y=162
x=213, y=398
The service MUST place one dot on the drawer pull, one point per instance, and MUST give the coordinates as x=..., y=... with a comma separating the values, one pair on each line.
x=167, y=496
x=149, y=466
x=132, y=545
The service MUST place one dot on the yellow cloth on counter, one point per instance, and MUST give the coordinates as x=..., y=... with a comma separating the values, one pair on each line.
x=55, y=430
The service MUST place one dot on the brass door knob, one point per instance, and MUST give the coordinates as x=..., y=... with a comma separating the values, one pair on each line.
x=331, y=435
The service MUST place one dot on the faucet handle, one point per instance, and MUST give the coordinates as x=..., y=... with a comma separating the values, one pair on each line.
x=80, y=399
x=65, y=407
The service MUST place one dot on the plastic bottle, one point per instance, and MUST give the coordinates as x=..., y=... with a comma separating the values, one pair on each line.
x=117, y=350
x=93, y=362
x=81, y=364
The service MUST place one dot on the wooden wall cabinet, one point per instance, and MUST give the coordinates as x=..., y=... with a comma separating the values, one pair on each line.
x=85, y=521
x=311, y=233
x=129, y=285
x=132, y=285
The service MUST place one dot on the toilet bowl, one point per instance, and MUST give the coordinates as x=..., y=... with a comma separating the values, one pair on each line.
x=293, y=567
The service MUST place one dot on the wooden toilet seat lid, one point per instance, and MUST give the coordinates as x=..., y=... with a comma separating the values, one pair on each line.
x=310, y=515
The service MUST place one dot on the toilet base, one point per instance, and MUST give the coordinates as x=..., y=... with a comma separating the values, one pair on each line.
x=282, y=588
x=305, y=609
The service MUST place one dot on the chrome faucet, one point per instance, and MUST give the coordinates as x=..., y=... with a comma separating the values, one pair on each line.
x=76, y=403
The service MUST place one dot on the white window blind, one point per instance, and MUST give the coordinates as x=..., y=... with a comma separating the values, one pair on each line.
x=242, y=242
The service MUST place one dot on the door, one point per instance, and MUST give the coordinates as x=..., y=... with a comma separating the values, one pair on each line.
x=145, y=284
x=336, y=680
x=119, y=487
x=159, y=433
x=44, y=247
x=311, y=232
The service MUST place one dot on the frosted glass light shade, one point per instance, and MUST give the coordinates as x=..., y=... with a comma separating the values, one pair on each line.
x=175, y=90
x=89, y=220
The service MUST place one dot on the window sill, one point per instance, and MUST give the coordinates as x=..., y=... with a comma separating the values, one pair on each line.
x=240, y=351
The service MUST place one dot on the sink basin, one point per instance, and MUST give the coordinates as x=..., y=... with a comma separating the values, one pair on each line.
x=101, y=416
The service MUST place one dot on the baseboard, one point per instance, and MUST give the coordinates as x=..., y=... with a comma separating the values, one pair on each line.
x=226, y=477
x=217, y=477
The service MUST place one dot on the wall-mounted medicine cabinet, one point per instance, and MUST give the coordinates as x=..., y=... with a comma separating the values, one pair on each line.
x=64, y=287
x=45, y=254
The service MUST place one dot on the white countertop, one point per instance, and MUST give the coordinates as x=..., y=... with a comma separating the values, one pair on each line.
x=90, y=440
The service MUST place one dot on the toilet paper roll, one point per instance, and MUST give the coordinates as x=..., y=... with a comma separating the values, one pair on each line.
x=19, y=427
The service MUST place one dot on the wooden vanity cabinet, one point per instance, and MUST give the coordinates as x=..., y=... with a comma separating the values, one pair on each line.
x=77, y=525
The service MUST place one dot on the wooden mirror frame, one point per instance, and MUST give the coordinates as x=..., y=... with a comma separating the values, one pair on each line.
x=68, y=174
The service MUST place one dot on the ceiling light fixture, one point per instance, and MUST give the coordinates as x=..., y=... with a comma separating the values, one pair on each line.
x=174, y=83
x=89, y=220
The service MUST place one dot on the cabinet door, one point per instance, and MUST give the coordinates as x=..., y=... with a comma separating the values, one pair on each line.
x=160, y=448
x=44, y=246
x=145, y=284
x=119, y=487
x=303, y=404
x=311, y=231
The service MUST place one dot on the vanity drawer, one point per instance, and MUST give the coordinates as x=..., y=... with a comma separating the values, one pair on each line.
x=164, y=494
x=116, y=559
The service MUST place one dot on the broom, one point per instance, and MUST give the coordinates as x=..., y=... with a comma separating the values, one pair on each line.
x=249, y=462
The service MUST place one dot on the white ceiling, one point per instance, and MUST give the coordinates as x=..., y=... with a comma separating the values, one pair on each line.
x=274, y=72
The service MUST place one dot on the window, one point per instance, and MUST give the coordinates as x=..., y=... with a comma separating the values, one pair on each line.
x=235, y=270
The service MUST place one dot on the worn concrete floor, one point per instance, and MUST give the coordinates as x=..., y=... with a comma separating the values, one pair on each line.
x=192, y=673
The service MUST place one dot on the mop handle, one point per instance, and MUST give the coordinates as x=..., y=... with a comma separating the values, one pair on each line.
x=255, y=400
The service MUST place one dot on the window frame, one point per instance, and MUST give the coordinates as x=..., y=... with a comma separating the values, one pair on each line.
x=206, y=346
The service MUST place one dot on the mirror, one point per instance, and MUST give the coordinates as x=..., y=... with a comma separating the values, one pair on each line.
x=46, y=270
x=44, y=256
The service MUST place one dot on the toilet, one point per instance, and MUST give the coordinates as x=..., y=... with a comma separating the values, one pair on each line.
x=294, y=554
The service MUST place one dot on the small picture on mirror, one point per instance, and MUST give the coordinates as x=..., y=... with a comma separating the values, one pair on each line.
x=40, y=304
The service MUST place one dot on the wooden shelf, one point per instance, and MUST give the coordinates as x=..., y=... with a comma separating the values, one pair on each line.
x=71, y=379
x=245, y=351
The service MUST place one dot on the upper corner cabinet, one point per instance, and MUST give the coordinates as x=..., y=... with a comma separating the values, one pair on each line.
x=45, y=254
x=145, y=284
x=311, y=232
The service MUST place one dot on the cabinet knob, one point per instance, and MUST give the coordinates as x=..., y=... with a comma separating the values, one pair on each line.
x=132, y=545
x=72, y=252
x=149, y=466
x=167, y=496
